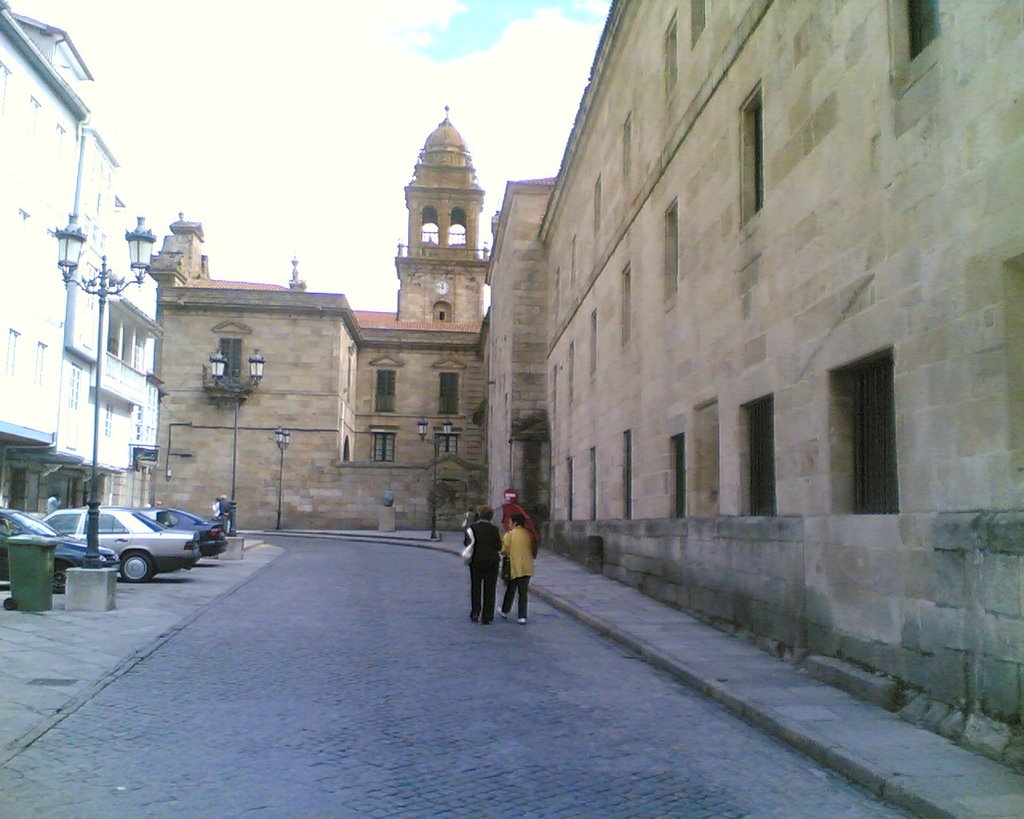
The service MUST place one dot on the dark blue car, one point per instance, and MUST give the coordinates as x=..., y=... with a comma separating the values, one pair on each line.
x=70, y=552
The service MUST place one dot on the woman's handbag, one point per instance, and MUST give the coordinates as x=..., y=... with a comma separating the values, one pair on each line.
x=467, y=554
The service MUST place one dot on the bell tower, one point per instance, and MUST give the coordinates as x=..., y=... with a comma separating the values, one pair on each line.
x=442, y=266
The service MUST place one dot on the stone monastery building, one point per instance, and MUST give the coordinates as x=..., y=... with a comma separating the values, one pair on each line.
x=757, y=349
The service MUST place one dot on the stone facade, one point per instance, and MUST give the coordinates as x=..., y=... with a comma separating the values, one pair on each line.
x=783, y=350
x=323, y=380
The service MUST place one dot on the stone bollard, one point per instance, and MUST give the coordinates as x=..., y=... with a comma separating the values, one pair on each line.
x=235, y=550
x=386, y=514
x=91, y=590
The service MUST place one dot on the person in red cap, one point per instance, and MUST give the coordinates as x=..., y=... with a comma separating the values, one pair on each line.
x=509, y=508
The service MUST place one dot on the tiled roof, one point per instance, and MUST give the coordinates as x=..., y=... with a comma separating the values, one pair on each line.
x=369, y=319
x=221, y=284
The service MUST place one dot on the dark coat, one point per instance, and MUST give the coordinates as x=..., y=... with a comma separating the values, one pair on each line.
x=488, y=544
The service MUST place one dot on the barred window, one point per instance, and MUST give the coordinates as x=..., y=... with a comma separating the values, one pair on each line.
x=752, y=156
x=385, y=392
x=761, y=455
x=448, y=402
x=627, y=474
x=679, y=474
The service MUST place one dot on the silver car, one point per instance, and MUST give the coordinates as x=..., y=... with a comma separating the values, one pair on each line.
x=145, y=548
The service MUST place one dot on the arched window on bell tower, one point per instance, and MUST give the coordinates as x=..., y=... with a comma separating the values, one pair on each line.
x=429, y=231
x=457, y=231
x=442, y=311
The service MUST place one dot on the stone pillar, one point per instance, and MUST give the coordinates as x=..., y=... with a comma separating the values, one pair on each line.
x=91, y=590
x=386, y=519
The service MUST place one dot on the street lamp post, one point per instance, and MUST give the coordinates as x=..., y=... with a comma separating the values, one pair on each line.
x=283, y=439
x=70, y=242
x=421, y=427
x=233, y=384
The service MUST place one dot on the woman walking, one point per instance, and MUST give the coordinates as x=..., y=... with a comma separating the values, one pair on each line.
x=517, y=546
x=483, y=567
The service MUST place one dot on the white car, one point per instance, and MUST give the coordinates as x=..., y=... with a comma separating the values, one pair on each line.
x=145, y=548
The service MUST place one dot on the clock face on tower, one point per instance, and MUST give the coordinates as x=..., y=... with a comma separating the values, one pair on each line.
x=441, y=288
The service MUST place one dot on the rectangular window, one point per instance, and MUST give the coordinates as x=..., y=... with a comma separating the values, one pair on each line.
x=672, y=248
x=627, y=146
x=627, y=474
x=761, y=455
x=108, y=420
x=447, y=444
x=863, y=438
x=922, y=24
x=572, y=370
x=627, y=304
x=679, y=475
x=752, y=156
x=449, y=396
x=231, y=349
x=671, y=61
x=572, y=266
x=597, y=205
x=384, y=393
x=11, y=365
x=74, y=387
x=558, y=287
x=568, y=489
x=137, y=425
x=383, y=446
x=593, y=483
x=593, y=345
x=698, y=18
x=40, y=373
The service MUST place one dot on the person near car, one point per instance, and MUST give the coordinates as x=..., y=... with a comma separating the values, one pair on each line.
x=52, y=503
x=517, y=545
x=483, y=567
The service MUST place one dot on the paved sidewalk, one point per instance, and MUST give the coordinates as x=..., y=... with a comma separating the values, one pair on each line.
x=906, y=765
x=52, y=662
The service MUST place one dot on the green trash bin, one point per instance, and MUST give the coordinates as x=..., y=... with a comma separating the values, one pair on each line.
x=30, y=560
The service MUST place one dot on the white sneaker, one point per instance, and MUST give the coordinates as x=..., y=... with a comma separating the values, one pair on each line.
x=522, y=621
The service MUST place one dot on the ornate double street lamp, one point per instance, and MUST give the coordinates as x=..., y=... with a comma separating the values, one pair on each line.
x=446, y=427
x=70, y=242
x=234, y=385
x=283, y=439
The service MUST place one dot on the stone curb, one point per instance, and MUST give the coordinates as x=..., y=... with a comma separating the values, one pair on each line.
x=23, y=742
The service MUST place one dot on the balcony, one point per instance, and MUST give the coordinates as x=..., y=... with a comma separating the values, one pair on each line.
x=459, y=252
x=125, y=381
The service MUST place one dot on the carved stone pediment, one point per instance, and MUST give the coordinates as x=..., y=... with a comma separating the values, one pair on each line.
x=231, y=328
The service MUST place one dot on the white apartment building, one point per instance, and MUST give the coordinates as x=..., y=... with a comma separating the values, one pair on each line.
x=52, y=164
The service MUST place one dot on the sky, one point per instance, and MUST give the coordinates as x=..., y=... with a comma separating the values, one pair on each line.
x=293, y=128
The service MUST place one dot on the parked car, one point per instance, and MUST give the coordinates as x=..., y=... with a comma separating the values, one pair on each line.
x=70, y=552
x=144, y=547
x=212, y=538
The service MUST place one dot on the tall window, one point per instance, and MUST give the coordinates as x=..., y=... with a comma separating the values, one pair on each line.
x=428, y=229
x=672, y=248
x=627, y=304
x=671, y=60
x=231, y=349
x=11, y=365
x=74, y=387
x=384, y=394
x=449, y=394
x=108, y=420
x=448, y=444
x=752, y=156
x=558, y=287
x=864, y=452
x=761, y=455
x=679, y=475
x=568, y=489
x=40, y=372
x=597, y=205
x=922, y=24
x=572, y=265
x=457, y=229
x=572, y=370
x=593, y=344
x=383, y=446
x=698, y=18
x=593, y=483
x=627, y=474
x=627, y=146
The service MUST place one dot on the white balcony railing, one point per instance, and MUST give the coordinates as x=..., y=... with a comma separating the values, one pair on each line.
x=126, y=381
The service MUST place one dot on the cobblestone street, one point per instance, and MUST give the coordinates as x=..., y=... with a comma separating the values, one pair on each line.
x=347, y=679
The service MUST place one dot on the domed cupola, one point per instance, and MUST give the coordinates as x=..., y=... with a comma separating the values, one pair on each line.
x=445, y=160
